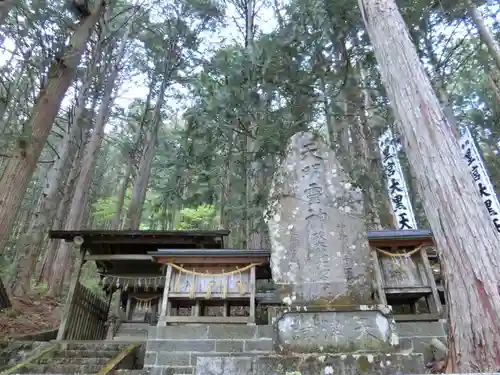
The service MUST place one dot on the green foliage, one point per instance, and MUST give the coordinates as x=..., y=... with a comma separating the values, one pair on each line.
x=200, y=218
x=104, y=209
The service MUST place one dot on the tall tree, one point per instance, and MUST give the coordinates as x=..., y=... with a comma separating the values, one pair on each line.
x=75, y=219
x=5, y=7
x=464, y=235
x=22, y=163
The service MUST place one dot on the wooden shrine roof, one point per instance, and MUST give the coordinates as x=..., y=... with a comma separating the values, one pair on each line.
x=211, y=252
x=108, y=248
x=141, y=235
x=387, y=238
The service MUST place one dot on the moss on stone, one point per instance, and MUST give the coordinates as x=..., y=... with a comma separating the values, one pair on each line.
x=364, y=364
x=352, y=347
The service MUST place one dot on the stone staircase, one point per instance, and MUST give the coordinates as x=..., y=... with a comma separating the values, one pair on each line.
x=132, y=331
x=81, y=358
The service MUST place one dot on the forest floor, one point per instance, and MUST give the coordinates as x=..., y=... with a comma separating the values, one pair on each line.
x=29, y=315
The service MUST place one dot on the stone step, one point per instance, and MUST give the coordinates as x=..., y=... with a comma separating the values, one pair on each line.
x=73, y=361
x=211, y=332
x=131, y=339
x=60, y=369
x=129, y=372
x=211, y=346
x=136, y=325
x=93, y=345
x=128, y=330
x=85, y=353
x=131, y=335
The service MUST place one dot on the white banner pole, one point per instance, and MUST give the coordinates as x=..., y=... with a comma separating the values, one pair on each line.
x=396, y=184
x=480, y=176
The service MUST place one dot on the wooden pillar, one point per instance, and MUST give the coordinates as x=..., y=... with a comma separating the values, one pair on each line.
x=226, y=309
x=119, y=305
x=71, y=294
x=378, y=278
x=196, y=308
x=435, y=305
x=162, y=321
x=251, y=318
x=128, y=308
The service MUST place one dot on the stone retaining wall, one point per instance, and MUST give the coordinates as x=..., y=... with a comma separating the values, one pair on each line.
x=416, y=336
x=210, y=349
x=175, y=350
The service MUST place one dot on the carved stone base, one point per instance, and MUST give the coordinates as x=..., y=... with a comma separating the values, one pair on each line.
x=363, y=329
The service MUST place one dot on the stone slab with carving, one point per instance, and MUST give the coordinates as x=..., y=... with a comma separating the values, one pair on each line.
x=315, y=218
x=337, y=332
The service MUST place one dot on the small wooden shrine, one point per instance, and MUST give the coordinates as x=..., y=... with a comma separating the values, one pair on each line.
x=221, y=278
x=164, y=277
x=407, y=273
x=180, y=277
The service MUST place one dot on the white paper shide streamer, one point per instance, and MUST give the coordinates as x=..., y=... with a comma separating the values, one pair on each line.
x=396, y=185
x=480, y=177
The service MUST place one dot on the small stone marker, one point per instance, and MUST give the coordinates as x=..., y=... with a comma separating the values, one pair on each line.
x=319, y=246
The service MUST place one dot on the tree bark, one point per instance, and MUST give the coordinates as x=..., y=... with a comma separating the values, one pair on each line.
x=62, y=209
x=122, y=192
x=117, y=218
x=5, y=7
x=464, y=235
x=22, y=164
x=485, y=33
x=46, y=211
x=14, y=93
x=62, y=259
x=141, y=182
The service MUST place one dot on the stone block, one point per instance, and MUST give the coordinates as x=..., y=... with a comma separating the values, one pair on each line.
x=229, y=346
x=150, y=358
x=155, y=370
x=336, y=332
x=266, y=332
x=179, y=370
x=185, y=332
x=384, y=364
x=173, y=359
x=152, y=332
x=224, y=366
x=181, y=346
x=422, y=329
x=261, y=345
x=231, y=332
x=170, y=370
x=406, y=343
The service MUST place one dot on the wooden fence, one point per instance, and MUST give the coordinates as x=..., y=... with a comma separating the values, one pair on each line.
x=87, y=317
x=4, y=297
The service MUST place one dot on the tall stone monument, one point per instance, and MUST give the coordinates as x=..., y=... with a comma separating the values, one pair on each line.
x=320, y=250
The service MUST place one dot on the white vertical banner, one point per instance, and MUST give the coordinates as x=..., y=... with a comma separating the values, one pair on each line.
x=396, y=184
x=480, y=176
